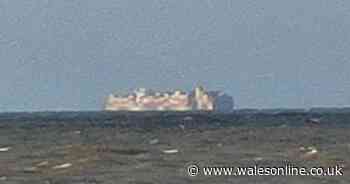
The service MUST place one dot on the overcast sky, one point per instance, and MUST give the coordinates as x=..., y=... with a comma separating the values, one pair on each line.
x=70, y=54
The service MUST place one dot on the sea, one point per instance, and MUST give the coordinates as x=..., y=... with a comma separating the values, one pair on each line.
x=174, y=147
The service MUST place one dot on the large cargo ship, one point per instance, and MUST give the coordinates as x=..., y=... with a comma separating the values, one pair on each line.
x=148, y=100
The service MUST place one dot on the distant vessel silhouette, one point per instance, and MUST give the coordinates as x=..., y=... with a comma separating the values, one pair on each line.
x=148, y=100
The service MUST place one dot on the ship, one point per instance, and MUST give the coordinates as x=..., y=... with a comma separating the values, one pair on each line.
x=143, y=99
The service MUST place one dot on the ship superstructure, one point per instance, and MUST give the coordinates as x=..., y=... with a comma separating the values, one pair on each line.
x=148, y=100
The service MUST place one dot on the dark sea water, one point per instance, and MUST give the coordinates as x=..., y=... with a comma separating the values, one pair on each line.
x=171, y=119
x=157, y=147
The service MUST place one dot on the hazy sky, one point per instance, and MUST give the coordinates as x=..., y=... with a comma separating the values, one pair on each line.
x=70, y=54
